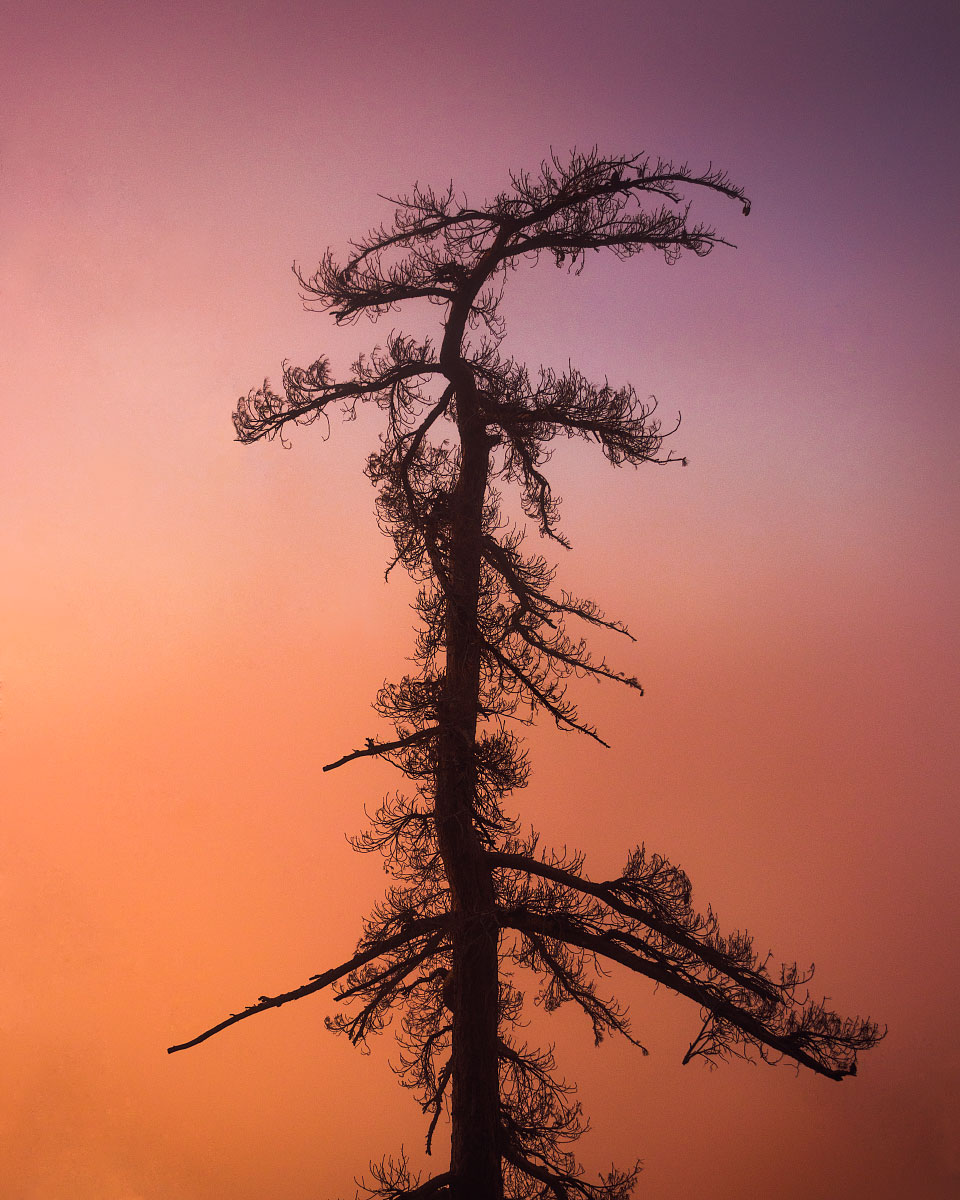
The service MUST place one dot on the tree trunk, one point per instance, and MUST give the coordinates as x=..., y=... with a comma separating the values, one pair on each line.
x=475, y=1100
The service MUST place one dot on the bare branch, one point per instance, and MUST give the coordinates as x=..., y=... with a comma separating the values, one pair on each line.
x=829, y=1051
x=676, y=932
x=318, y=982
x=377, y=748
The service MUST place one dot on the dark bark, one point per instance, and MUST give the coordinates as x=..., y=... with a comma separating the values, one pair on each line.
x=474, y=1055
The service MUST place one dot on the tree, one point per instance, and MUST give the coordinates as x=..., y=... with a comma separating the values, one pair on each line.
x=496, y=645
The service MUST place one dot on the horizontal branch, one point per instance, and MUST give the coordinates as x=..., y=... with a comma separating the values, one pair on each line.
x=319, y=982
x=604, y=892
x=373, y=748
x=308, y=392
x=663, y=180
x=606, y=946
x=419, y=230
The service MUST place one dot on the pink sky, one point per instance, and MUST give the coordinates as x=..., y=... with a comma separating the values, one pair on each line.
x=189, y=628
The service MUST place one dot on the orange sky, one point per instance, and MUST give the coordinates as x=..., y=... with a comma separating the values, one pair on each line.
x=189, y=628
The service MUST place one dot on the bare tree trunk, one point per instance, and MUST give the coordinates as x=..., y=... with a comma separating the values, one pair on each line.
x=475, y=1150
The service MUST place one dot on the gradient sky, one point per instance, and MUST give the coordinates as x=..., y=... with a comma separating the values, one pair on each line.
x=190, y=628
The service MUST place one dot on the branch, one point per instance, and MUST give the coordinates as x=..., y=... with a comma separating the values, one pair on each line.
x=422, y=230
x=557, y=1183
x=571, y=982
x=436, y=1186
x=563, y=929
x=541, y=696
x=385, y=987
x=569, y=657
x=581, y=209
x=436, y=1100
x=319, y=982
x=374, y=748
x=617, y=1185
x=712, y=957
x=393, y=1182
x=308, y=391
x=535, y=599
x=662, y=180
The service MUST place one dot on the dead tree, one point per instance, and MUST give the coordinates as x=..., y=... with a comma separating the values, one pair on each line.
x=496, y=645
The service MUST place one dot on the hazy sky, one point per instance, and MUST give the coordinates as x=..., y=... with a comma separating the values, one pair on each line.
x=190, y=628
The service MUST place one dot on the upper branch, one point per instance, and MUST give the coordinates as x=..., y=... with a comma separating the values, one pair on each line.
x=585, y=204
x=309, y=391
x=439, y=251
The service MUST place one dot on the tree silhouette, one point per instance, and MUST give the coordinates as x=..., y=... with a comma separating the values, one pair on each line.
x=497, y=644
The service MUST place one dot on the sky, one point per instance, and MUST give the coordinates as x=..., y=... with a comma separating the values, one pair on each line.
x=190, y=628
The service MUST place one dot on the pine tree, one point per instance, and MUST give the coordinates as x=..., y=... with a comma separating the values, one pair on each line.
x=497, y=644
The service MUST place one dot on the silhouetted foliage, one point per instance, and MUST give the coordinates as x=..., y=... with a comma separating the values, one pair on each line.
x=471, y=896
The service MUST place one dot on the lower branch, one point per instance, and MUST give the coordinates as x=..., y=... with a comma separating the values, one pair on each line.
x=822, y=1051
x=392, y=1181
x=319, y=982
